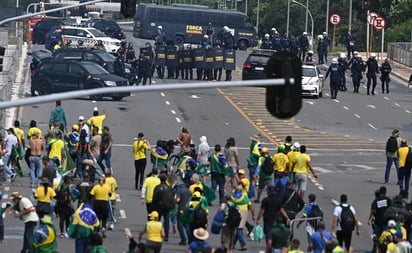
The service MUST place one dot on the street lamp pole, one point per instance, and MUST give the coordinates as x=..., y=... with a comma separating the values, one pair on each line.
x=257, y=17
x=310, y=14
x=306, y=19
x=327, y=17
x=350, y=15
x=287, y=19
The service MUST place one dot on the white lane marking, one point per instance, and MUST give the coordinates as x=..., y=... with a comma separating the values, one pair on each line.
x=397, y=104
x=194, y=96
x=337, y=101
x=371, y=106
x=167, y=102
x=162, y=94
x=345, y=107
x=407, y=111
x=335, y=202
x=386, y=98
x=356, y=115
x=178, y=120
x=365, y=167
x=118, y=199
x=327, y=94
x=122, y=214
x=173, y=111
x=372, y=126
x=310, y=102
x=322, y=170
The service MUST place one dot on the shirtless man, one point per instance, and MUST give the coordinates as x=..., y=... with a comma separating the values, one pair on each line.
x=184, y=139
x=36, y=166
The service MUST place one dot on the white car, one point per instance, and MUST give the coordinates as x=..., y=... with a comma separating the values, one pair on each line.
x=312, y=81
x=89, y=37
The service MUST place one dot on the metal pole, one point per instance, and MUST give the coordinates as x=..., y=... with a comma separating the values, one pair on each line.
x=287, y=19
x=383, y=40
x=350, y=15
x=327, y=17
x=246, y=7
x=306, y=19
x=367, y=37
x=17, y=24
x=257, y=17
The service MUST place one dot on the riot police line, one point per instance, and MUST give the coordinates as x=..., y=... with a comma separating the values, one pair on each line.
x=186, y=62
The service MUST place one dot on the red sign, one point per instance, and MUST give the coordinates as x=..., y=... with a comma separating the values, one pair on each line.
x=334, y=19
x=379, y=23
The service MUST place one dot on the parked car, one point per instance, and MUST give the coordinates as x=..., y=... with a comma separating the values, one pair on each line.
x=61, y=75
x=88, y=36
x=108, y=26
x=255, y=65
x=101, y=57
x=42, y=27
x=39, y=57
x=312, y=80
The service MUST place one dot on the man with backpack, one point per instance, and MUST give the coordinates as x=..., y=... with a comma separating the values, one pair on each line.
x=392, y=145
x=163, y=201
x=264, y=172
x=344, y=222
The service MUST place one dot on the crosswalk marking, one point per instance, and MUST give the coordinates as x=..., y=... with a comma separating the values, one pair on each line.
x=322, y=170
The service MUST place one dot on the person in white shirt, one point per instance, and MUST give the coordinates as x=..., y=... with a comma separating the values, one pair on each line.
x=9, y=141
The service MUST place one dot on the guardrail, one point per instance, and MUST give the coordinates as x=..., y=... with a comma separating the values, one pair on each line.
x=400, y=52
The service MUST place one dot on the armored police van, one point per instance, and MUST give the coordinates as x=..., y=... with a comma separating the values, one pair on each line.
x=187, y=23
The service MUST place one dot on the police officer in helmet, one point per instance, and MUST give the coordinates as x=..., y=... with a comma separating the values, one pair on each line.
x=335, y=77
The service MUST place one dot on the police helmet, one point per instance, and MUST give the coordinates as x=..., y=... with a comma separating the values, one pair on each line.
x=310, y=52
x=159, y=27
x=386, y=60
x=123, y=43
x=355, y=53
x=276, y=32
x=273, y=29
x=324, y=33
x=267, y=36
x=334, y=60
x=205, y=37
x=320, y=37
x=130, y=44
x=226, y=28
x=373, y=55
x=305, y=33
x=342, y=55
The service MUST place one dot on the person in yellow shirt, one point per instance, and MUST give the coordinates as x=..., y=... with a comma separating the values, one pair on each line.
x=140, y=148
x=243, y=180
x=281, y=161
x=44, y=195
x=155, y=233
x=302, y=166
x=101, y=194
x=97, y=120
x=149, y=185
x=404, y=173
x=19, y=133
x=111, y=181
x=291, y=156
x=196, y=185
x=56, y=151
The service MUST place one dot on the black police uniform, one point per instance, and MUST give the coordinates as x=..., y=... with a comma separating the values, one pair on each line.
x=373, y=69
x=335, y=76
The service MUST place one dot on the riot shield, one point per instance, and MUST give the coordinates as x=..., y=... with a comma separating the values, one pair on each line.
x=230, y=59
x=209, y=55
x=199, y=58
x=187, y=58
x=219, y=58
x=160, y=55
x=171, y=56
x=147, y=53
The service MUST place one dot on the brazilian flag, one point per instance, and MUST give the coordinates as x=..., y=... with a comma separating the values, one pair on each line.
x=208, y=193
x=15, y=159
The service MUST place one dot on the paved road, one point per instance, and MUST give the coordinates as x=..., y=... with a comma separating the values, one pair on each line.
x=353, y=169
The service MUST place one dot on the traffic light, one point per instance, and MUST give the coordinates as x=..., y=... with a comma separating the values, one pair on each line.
x=128, y=8
x=284, y=101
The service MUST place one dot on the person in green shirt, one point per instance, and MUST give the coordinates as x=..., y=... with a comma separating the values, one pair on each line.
x=261, y=177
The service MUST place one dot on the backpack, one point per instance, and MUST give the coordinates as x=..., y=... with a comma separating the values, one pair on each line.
x=166, y=199
x=268, y=166
x=408, y=162
x=217, y=223
x=315, y=212
x=392, y=144
x=233, y=217
x=199, y=217
x=347, y=218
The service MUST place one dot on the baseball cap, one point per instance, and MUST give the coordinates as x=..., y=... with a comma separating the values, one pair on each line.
x=81, y=117
x=153, y=215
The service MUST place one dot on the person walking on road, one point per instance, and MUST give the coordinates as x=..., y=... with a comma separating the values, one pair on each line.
x=319, y=238
x=404, y=172
x=101, y=193
x=182, y=196
x=148, y=187
x=372, y=66
x=232, y=158
x=36, y=165
x=392, y=146
x=302, y=166
x=378, y=208
x=9, y=142
x=279, y=236
x=155, y=233
x=106, y=149
x=25, y=211
x=219, y=169
x=335, y=73
x=264, y=172
x=344, y=222
x=140, y=147
x=44, y=195
x=385, y=69
x=58, y=116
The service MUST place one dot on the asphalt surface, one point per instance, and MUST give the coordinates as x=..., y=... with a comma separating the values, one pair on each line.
x=343, y=164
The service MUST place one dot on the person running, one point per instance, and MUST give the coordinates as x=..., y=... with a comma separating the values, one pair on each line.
x=101, y=193
x=140, y=147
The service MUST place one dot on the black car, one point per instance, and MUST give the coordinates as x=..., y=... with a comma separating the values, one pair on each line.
x=68, y=75
x=39, y=57
x=108, y=26
x=101, y=57
x=42, y=27
x=255, y=64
